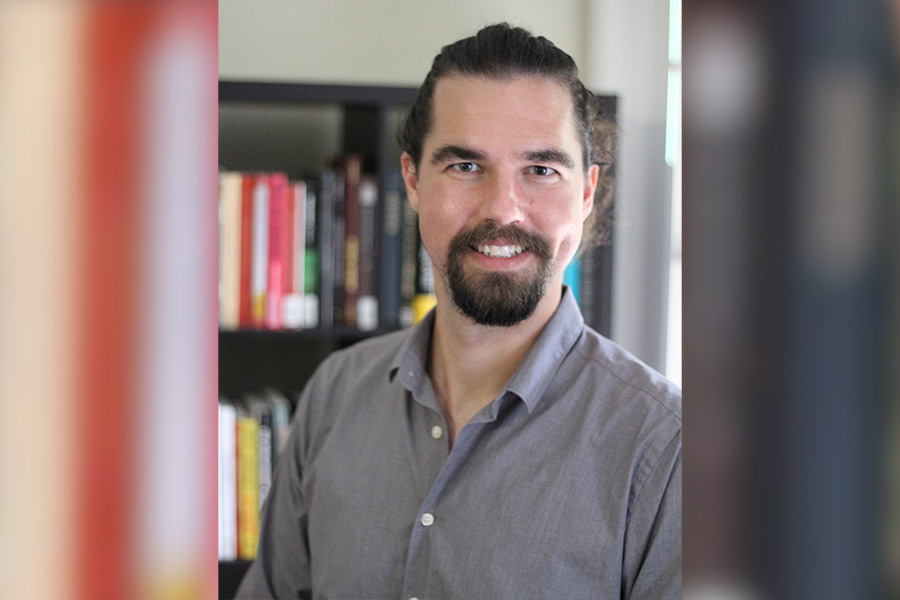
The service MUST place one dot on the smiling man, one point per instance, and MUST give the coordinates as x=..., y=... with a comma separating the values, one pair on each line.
x=500, y=448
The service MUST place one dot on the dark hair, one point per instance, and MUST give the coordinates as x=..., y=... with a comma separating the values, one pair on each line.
x=501, y=52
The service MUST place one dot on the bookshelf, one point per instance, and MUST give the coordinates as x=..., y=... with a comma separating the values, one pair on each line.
x=299, y=129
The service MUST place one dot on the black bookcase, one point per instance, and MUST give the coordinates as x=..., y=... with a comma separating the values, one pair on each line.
x=299, y=128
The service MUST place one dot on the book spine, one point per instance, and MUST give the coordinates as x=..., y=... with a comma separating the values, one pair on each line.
x=367, y=300
x=325, y=231
x=248, y=486
x=278, y=225
x=337, y=282
x=260, y=266
x=228, y=520
x=245, y=318
x=352, y=209
x=311, y=261
x=410, y=248
x=293, y=294
x=221, y=507
x=425, y=298
x=229, y=249
x=391, y=249
x=281, y=422
x=219, y=254
x=266, y=449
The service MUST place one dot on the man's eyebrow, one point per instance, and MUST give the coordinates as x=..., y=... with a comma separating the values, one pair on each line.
x=459, y=152
x=550, y=155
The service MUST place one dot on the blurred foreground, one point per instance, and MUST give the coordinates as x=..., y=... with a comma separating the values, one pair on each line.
x=792, y=451
x=108, y=278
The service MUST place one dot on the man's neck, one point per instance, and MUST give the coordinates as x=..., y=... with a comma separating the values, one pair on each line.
x=470, y=364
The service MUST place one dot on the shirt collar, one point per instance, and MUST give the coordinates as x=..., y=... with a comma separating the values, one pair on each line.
x=530, y=380
x=409, y=363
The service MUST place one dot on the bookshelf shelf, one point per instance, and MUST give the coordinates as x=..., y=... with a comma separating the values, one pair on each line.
x=297, y=129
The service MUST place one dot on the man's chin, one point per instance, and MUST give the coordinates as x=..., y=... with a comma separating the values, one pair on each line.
x=497, y=299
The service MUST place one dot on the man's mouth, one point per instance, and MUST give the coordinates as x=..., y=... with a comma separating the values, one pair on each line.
x=499, y=251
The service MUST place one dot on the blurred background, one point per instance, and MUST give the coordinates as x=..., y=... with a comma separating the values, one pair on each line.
x=786, y=163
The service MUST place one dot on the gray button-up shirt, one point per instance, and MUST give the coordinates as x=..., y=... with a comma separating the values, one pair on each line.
x=568, y=485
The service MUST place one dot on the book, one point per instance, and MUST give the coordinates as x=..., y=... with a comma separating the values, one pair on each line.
x=261, y=411
x=295, y=261
x=325, y=234
x=247, y=484
x=260, y=251
x=367, y=293
x=390, y=255
x=311, y=260
x=229, y=249
x=424, y=299
x=277, y=251
x=337, y=248
x=228, y=520
x=248, y=182
x=281, y=421
x=409, y=258
x=352, y=167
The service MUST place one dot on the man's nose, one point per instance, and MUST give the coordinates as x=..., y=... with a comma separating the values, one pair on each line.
x=501, y=201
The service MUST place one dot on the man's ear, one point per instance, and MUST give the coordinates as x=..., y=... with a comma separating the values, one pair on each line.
x=410, y=178
x=590, y=186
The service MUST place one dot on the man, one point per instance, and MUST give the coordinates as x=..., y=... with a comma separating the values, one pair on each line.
x=500, y=448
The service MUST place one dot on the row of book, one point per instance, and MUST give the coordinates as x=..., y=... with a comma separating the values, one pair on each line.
x=252, y=433
x=342, y=249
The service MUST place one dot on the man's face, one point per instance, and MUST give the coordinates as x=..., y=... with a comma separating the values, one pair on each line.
x=501, y=194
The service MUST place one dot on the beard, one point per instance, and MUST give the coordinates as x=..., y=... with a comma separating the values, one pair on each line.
x=498, y=299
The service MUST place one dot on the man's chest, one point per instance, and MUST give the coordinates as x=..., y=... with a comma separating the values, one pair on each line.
x=499, y=516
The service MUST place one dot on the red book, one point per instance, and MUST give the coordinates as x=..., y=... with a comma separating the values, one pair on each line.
x=352, y=174
x=296, y=251
x=278, y=191
x=245, y=318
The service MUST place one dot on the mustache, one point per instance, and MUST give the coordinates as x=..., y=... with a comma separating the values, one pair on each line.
x=486, y=233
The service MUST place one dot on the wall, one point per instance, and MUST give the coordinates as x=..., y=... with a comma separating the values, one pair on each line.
x=384, y=43
x=627, y=55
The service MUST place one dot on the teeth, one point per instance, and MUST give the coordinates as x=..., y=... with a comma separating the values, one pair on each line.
x=499, y=251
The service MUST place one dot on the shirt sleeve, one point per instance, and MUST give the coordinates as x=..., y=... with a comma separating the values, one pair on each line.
x=652, y=569
x=281, y=568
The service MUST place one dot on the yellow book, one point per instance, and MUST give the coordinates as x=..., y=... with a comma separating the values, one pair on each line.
x=248, y=486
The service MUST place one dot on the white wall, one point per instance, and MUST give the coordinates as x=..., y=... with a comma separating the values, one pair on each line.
x=620, y=46
x=627, y=55
x=371, y=41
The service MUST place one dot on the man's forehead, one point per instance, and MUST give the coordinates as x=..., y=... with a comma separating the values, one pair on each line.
x=463, y=99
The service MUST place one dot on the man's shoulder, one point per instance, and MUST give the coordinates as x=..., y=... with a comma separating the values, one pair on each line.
x=635, y=380
x=369, y=357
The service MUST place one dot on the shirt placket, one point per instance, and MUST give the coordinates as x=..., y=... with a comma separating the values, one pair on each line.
x=428, y=523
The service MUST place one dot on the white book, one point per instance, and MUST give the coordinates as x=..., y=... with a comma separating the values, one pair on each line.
x=221, y=511
x=259, y=269
x=228, y=480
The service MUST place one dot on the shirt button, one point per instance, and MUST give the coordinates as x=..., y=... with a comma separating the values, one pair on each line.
x=437, y=432
x=428, y=519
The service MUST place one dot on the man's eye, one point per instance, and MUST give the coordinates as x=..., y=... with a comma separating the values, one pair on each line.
x=465, y=167
x=541, y=171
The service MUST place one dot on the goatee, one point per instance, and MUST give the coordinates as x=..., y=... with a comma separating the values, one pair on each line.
x=497, y=298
